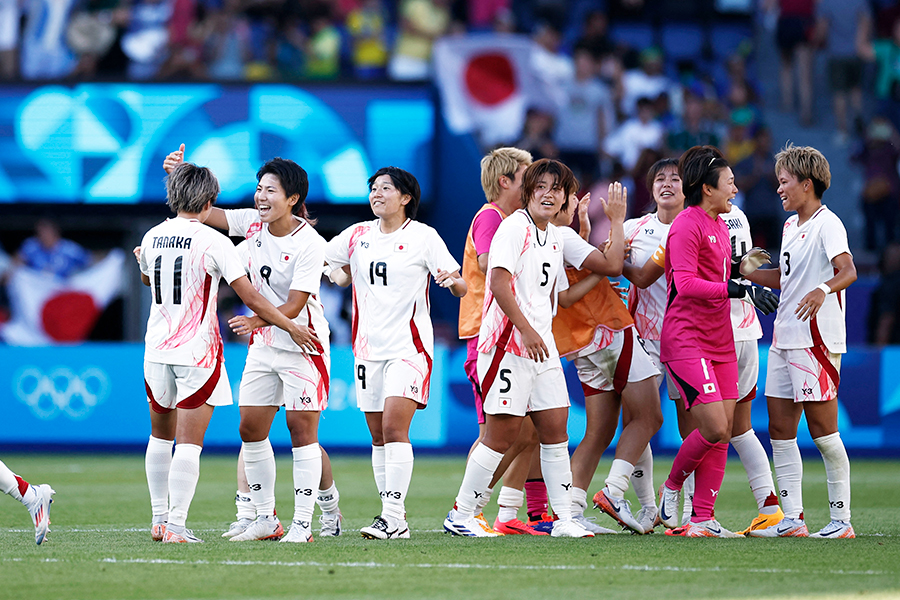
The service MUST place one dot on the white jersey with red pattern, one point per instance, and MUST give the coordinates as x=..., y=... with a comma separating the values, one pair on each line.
x=279, y=264
x=391, y=274
x=743, y=314
x=647, y=306
x=184, y=260
x=806, y=254
x=534, y=258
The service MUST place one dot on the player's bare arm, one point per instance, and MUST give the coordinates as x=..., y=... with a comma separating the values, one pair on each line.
x=217, y=217
x=645, y=276
x=584, y=221
x=501, y=288
x=242, y=325
x=770, y=278
x=611, y=261
x=811, y=303
x=301, y=335
x=483, y=262
x=452, y=281
x=578, y=290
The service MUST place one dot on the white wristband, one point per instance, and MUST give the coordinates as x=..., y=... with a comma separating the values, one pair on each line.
x=824, y=287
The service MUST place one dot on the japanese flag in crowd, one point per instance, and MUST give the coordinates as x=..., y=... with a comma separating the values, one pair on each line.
x=48, y=310
x=486, y=84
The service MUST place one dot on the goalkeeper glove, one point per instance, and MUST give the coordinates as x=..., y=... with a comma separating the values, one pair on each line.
x=760, y=297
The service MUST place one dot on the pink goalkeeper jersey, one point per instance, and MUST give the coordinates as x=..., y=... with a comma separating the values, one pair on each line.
x=697, y=323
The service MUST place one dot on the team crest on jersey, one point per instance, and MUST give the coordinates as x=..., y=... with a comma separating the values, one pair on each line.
x=285, y=257
x=400, y=247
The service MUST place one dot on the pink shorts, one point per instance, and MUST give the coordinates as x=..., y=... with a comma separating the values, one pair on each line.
x=472, y=373
x=703, y=381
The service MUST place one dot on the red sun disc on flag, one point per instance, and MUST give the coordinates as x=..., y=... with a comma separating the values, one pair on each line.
x=490, y=78
x=69, y=316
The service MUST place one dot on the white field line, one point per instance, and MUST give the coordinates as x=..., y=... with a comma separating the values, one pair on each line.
x=377, y=565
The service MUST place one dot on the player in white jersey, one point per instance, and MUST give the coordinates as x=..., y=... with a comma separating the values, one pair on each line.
x=809, y=338
x=182, y=260
x=391, y=261
x=284, y=259
x=36, y=498
x=518, y=362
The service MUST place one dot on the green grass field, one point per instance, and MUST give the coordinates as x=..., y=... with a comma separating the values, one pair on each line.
x=99, y=546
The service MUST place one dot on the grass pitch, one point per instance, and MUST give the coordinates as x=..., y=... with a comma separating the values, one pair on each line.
x=99, y=546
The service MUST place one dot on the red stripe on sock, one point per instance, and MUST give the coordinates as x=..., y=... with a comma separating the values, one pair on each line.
x=23, y=485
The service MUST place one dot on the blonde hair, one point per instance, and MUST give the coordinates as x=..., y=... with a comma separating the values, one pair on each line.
x=500, y=162
x=805, y=162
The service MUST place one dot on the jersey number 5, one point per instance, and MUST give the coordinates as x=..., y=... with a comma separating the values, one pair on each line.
x=176, y=280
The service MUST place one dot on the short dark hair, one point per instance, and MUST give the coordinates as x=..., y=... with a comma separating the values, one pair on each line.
x=406, y=183
x=293, y=179
x=700, y=165
x=562, y=176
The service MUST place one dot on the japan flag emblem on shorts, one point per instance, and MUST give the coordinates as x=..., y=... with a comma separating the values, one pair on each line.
x=709, y=388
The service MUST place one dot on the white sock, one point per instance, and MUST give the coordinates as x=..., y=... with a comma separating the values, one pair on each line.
x=328, y=499
x=687, y=490
x=398, y=469
x=837, y=470
x=756, y=463
x=157, y=462
x=378, y=468
x=484, y=500
x=307, y=467
x=557, y=472
x=642, y=479
x=789, y=473
x=579, y=501
x=619, y=475
x=259, y=465
x=510, y=501
x=479, y=471
x=183, y=476
x=244, y=505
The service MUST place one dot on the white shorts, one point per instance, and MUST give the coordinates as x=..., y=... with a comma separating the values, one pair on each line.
x=804, y=374
x=748, y=368
x=275, y=377
x=515, y=385
x=652, y=348
x=405, y=377
x=177, y=386
x=608, y=370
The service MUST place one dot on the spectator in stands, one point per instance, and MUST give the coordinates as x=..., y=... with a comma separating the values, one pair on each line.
x=739, y=142
x=886, y=53
x=47, y=251
x=694, y=129
x=879, y=154
x=627, y=142
x=323, y=48
x=227, y=43
x=793, y=34
x=184, y=44
x=147, y=39
x=421, y=23
x=367, y=25
x=45, y=54
x=585, y=119
x=648, y=81
x=484, y=14
x=595, y=35
x=10, y=18
x=884, y=324
x=554, y=68
x=758, y=185
x=93, y=32
x=537, y=134
x=739, y=89
x=844, y=28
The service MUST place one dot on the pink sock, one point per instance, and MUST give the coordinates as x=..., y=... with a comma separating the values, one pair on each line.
x=693, y=449
x=709, y=476
x=536, y=497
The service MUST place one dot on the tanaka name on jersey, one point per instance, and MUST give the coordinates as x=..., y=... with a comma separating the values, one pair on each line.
x=172, y=241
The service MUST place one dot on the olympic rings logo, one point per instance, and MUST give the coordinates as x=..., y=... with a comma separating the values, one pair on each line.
x=61, y=390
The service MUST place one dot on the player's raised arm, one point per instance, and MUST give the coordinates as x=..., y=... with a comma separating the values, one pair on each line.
x=611, y=261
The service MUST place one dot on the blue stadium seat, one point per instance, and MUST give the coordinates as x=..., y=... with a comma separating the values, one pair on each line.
x=634, y=35
x=683, y=41
x=725, y=38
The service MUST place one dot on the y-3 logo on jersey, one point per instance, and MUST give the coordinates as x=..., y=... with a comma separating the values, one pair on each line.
x=712, y=239
x=363, y=244
x=648, y=231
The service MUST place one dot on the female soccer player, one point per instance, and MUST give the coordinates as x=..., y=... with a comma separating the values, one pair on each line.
x=809, y=338
x=391, y=262
x=36, y=498
x=518, y=363
x=285, y=264
x=697, y=342
x=182, y=261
